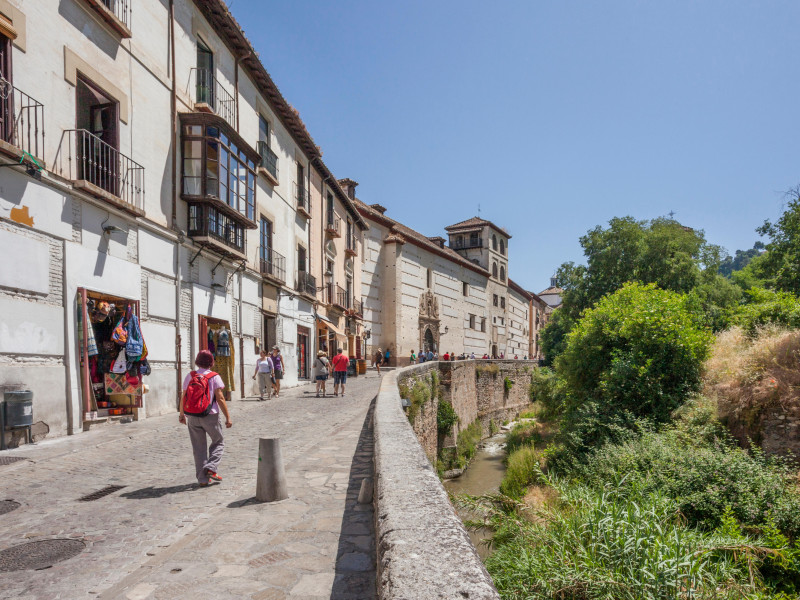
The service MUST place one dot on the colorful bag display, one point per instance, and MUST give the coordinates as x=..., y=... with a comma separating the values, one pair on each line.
x=135, y=345
x=120, y=335
x=118, y=384
x=120, y=364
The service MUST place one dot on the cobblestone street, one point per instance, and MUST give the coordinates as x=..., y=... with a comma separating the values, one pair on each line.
x=160, y=536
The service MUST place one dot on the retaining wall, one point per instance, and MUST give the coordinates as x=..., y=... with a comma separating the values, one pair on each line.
x=423, y=549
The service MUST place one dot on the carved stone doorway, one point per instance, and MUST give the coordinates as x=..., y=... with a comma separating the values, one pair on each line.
x=429, y=342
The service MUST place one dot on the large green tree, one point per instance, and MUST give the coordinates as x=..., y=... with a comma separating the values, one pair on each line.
x=781, y=263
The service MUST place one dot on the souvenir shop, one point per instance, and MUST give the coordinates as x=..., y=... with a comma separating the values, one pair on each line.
x=303, y=349
x=113, y=356
x=217, y=338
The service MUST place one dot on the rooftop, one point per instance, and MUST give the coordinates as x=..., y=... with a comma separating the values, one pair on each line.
x=476, y=222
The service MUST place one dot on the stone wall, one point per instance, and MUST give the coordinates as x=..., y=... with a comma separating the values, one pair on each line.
x=476, y=389
x=775, y=428
x=423, y=549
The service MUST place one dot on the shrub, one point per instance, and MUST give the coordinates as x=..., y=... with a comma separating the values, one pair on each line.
x=522, y=471
x=639, y=351
x=446, y=417
x=418, y=396
x=467, y=442
x=522, y=434
x=508, y=384
x=767, y=307
x=492, y=370
x=613, y=543
x=547, y=391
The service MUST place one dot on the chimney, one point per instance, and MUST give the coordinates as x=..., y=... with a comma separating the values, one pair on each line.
x=438, y=240
x=378, y=207
x=350, y=187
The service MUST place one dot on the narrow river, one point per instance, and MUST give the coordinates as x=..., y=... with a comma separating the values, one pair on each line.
x=483, y=476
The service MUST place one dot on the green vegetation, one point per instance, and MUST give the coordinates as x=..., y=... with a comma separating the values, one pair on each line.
x=507, y=384
x=780, y=265
x=546, y=393
x=466, y=445
x=493, y=427
x=492, y=370
x=523, y=463
x=420, y=394
x=522, y=434
x=446, y=417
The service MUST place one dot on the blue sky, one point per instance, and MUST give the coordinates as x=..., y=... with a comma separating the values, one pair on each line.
x=552, y=116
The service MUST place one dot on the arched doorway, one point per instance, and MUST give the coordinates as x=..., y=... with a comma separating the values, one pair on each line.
x=494, y=351
x=430, y=343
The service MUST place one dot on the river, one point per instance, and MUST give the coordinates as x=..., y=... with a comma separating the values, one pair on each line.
x=483, y=476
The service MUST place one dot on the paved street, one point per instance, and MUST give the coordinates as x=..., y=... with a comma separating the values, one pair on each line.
x=162, y=537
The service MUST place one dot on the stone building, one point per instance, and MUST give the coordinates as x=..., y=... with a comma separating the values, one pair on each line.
x=172, y=178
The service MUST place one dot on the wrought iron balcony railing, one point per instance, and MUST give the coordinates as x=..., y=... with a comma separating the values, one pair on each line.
x=273, y=264
x=334, y=226
x=342, y=299
x=205, y=221
x=357, y=306
x=208, y=90
x=83, y=158
x=21, y=120
x=269, y=160
x=306, y=283
x=351, y=248
x=302, y=199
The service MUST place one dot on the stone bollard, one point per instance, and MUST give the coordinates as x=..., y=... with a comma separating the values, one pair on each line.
x=365, y=493
x=271, y=480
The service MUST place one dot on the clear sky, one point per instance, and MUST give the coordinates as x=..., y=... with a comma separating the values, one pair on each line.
x=554, y=116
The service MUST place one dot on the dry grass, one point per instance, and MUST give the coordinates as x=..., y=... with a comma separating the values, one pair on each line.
x=746, y=375
x=539, y=498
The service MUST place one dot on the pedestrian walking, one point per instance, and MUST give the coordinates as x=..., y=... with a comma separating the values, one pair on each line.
x=340, y=362
x=446, y=356
x=322, y=365
x=265, y=371
x=377, y=360
x=386, y=357
x=277, y=363
x=452, y=356
x=430, y=356
x=201, y=403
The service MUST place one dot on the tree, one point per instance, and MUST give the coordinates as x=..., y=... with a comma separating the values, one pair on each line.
x=781, y=263
x=740, y=260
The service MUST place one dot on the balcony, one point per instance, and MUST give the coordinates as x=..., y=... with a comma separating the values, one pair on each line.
x=467, y=244
x=117, y=13
x=274, y=267
x=269, y=162
x=211, y=96
x=101, y=170
x=334, y=226
x=302, y=199
x=352, y=247
x=357, y=308
x=306, y=284
x=212, y=228
x=342, y=299
x=21, y=123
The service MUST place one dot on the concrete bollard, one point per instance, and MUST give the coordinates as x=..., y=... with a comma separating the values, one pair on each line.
x=271, y=480
x=365, y=493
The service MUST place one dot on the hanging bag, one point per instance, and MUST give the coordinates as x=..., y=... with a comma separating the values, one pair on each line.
x=134, y=345
x=120, y=335
x=120, y=364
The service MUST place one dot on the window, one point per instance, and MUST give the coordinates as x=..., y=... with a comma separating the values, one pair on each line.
x=270, y=331
x=6, y=116
x=502, y=246
x=472, y=321
x=494, y=300
x=494, y=270
x=502, y=302
x=302, y=261
x=214, y=166
x=460, y=241
x=494, y=242
x=330, y=208
x=474, y=241
x=349, y=292
x=263, y=130
x=483, y=324
x=429, y=278
x=265, y=240
x=502, y=273
x=97, y=121
x=205, y=75
x=465, y=288
x=205, y=220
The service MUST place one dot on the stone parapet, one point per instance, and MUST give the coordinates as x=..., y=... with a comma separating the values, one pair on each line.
x=423, y=549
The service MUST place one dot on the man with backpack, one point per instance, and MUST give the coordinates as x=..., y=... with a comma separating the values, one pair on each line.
x=201, y=403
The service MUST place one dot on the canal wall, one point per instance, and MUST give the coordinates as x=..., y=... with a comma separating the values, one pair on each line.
x=423, y=549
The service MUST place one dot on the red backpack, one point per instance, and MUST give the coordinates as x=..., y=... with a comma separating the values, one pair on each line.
x=198, y=395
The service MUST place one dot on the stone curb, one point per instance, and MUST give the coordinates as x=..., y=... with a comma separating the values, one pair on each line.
x=423, y=549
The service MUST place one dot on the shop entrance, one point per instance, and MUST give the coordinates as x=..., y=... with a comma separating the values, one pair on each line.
x=303, y=336
x=111, y=377
x=215, y=336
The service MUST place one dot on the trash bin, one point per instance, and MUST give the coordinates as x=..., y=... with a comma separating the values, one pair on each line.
x=18, y=409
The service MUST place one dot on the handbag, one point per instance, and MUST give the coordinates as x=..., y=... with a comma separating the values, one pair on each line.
x=134, y=345
x=120, y=335
x=144, y=368
x=120, y=364
x=322, y=369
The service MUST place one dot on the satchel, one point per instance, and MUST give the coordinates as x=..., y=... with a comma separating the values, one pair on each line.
x=134, y=345
x=120, y=335
x=120, y=364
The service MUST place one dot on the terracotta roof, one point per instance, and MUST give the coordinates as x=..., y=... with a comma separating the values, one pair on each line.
x=397, y=229
x=552, y=290
x=225, y=25
x=519, y=289
x=476, y=222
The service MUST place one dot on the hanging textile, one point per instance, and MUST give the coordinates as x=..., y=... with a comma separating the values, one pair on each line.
x=91, y=342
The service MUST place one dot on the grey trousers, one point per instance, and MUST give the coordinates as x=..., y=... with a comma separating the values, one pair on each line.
x=206, y=458
x=265, y=384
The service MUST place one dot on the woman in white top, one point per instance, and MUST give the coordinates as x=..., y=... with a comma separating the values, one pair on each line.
x=322, y=367
x=264, y=370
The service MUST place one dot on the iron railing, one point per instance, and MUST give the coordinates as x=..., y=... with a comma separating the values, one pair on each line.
x=82, y=156
x=302, y=198
x=342, y=298
x=207, y=221
x=327, y=293
x=120, y=9
x=306, y=283
x=269, y=160
x=467, y=244
x=22, y=120
x=208, y=90
x=273, y=264
x=357, y=306
x=334, y=226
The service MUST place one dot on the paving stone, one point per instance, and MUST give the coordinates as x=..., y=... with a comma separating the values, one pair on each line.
x=162, y=537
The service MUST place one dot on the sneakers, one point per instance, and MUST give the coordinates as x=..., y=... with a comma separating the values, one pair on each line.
x=214, y=476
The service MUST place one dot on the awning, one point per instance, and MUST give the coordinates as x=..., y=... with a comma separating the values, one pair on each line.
x=330, y=324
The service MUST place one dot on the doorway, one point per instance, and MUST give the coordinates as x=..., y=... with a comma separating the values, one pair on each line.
x=430, y=343
x=303, y=336
x=97, y=121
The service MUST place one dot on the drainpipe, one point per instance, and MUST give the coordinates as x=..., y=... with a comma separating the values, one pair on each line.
x=174, y=222
x=178, y=349
x=241, y=327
